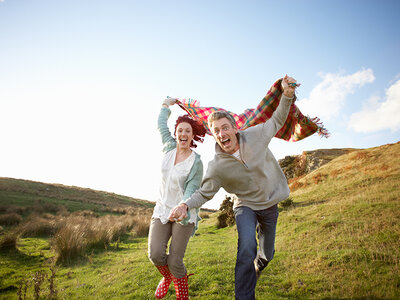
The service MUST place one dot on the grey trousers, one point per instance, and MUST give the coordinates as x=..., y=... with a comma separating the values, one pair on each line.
x=159, y=236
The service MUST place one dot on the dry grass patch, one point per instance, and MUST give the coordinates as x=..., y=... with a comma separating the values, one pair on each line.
x=40, y=225
x=10, y=219
x=81, y=233
x=141, y=225
x=9, y=240
x=204, y=214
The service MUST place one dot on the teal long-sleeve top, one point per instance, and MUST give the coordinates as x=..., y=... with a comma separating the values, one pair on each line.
x=193, y=181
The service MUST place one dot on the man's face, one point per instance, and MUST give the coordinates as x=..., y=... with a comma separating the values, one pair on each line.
x=225, y=135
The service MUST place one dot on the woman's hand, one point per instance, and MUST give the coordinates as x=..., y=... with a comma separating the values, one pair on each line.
x=178, y=213
x=289, y=85
x=169, y=101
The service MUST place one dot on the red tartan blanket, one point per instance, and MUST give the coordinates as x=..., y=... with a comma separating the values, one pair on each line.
x=296, y=127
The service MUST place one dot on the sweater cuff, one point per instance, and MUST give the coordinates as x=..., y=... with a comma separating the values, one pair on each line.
x=285, y=98
x=188, y=203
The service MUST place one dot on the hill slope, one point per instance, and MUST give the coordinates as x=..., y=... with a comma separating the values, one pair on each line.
x=342, y=233
x=22, y=193
x=337, y=239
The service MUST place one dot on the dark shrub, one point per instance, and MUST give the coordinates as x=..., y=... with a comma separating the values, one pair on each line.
x=226, y=217
x=286, y=203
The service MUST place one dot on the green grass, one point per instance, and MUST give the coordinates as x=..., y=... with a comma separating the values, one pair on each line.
x=339, y=239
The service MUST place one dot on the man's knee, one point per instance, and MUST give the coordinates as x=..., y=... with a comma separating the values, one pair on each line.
x=247, y=242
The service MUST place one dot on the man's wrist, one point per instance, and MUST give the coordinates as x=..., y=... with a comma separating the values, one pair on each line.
x=185, y=206
x=288, y=94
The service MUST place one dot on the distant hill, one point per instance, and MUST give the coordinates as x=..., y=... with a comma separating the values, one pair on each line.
x=298, y=165
x=18, y=192
x=27, y=193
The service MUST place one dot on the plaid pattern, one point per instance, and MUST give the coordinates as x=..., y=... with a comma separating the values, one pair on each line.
x=296, y=127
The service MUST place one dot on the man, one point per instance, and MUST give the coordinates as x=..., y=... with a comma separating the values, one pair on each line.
x=243, y=165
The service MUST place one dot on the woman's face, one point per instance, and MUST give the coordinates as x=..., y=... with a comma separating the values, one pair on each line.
x=184, y=135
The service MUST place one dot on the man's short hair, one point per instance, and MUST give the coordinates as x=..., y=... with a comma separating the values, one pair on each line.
x=216, y=115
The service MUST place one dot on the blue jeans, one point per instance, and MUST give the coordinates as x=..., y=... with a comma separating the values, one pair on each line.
x=247, y=220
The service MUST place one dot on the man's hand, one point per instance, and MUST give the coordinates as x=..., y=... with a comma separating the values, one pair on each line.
x=178, y=213
x=289, y=85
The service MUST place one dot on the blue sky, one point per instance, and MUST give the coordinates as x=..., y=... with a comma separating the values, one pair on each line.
x=81, y=82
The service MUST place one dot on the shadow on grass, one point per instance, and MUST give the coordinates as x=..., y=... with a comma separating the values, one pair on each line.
x=353, y=298
x=289, y=204
x=10, y=288
x=22, y=258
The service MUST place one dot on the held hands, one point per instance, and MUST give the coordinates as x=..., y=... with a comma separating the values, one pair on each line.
x=169, y=101
x=289, y=85
x=178, y=213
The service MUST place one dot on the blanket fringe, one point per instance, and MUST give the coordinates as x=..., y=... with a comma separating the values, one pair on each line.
x=191, y=102
x=322, y=131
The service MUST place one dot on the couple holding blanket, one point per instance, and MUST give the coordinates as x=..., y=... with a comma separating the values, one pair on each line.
x=243, y=165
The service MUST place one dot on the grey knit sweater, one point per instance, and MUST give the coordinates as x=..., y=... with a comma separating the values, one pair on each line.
x=256, y=180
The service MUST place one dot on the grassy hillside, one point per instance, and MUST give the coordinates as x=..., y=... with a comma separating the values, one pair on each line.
x=337, y=238
x=25, y=193
x=341, y=237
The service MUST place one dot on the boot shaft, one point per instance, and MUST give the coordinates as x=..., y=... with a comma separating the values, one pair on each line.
x=181, y=287
x=163, y=285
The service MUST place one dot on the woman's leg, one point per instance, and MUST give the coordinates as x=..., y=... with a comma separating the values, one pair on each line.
x=159, y=234
x=180, y=238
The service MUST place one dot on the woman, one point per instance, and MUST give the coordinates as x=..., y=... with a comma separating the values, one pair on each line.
x=182, y=172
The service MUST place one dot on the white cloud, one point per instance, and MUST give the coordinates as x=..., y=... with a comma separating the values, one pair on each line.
x=329, y=96
x=376, y=115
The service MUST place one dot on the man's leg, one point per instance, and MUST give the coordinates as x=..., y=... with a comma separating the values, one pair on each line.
x=245, y=274
x=267, y=220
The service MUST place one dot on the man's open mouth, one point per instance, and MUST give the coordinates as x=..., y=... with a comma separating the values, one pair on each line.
x=225, y=142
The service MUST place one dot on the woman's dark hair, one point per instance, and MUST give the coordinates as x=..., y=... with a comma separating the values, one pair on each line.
x=198, y=129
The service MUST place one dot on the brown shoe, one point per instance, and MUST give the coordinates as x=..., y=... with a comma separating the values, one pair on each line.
x=258, y=272
x=259, y=265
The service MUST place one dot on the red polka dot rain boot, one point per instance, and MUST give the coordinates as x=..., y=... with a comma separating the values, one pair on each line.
x=181, y=287
x=163, y=286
